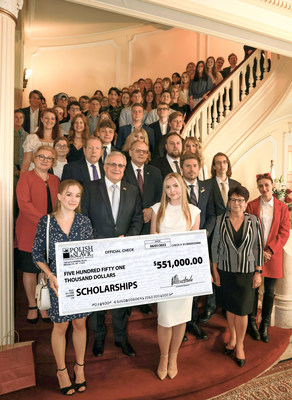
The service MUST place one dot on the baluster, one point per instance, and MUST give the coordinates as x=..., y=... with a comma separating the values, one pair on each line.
x=215, y=114
x=247, y=82
x=209, y=120
x=203, y=124
x=221, y=108
x=228, y=95
x=258, y=69
x=266, y=62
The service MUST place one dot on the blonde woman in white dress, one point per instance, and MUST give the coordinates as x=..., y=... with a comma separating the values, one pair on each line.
x=173, y=214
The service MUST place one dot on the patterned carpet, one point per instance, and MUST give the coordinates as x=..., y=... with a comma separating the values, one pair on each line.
x=274, y=384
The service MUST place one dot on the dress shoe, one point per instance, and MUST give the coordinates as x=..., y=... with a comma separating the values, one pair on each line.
x=172, y=366
x=240, y=361
x=162, y=367
x=253, y=331
x=33, y=321
x=227, y=352
x=206, y=316
x=264, y=332
x=185, y=338
x=197, y=331
x=98, y=348
x=126, y=348
x=146, y=309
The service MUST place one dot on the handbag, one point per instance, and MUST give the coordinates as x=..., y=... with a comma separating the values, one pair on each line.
x=17, y=368
x=42, y=293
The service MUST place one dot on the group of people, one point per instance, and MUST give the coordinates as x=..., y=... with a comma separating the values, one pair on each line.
x=141, y=179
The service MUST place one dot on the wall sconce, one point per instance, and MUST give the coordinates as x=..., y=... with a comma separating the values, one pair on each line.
x=26, y=74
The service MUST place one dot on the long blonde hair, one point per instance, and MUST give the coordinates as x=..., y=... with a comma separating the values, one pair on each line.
x=131, y=138
x=183, y=201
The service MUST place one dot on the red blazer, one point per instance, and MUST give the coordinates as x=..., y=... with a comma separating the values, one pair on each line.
x=31, y=195
x=277, y=238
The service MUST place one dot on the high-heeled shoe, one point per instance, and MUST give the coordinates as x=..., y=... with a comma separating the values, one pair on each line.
x=65, y=390
x=78, y=386
x=32, y=320
x=172, y=366
x=162, y=367
x=240, y=361
x=227, y=352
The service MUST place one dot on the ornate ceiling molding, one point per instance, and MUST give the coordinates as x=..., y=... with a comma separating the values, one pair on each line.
x=283, y=4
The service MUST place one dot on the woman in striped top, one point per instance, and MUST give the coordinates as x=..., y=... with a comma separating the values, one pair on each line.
x=237, y=256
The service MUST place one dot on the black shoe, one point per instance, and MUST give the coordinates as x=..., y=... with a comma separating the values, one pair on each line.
x=206, y=316
x=240, y=361
x=197, y=331
x=253, y=331
x=126, y=348
x=227, y=352
x=98, y=348
x=185, y=338
x=264, y=332
x=146, y=309
x=32, y=321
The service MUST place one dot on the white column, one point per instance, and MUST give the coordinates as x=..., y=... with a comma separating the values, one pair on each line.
x=282, y=311
x=8, y=16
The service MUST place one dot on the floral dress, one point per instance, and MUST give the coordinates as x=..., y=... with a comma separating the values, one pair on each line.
x=81, y=229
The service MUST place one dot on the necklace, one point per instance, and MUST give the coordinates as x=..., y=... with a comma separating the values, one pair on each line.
x=45, y=180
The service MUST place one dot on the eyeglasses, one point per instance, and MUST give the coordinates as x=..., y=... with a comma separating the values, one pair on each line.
x=162, y=109
x=140, y=151
x=61, y=146
x=44, y=158
x=74, y=108
x=115, y=165
x=239, y=201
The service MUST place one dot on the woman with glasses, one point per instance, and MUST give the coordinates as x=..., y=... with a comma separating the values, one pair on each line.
x=36, y=193
x=46, y=133
x=275, y=221
x=61, y=145
x=237, y=260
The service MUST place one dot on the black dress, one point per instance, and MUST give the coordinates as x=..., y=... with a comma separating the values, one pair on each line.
x=236, y=294
x=74, y=154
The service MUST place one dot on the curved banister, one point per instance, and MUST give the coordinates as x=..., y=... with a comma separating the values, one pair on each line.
x=226, y=97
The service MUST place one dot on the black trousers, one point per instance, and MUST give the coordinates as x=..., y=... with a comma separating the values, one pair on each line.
x=119, y=318
x=268, y=299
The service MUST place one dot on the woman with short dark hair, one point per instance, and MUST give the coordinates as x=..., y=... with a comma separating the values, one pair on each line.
x=237, y=260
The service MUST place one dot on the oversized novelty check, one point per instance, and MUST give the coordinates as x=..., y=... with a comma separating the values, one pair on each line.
x=121, y=272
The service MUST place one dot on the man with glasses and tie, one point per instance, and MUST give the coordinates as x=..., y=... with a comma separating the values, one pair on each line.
x=106, y=133
x=114, y=208
x=200, y=194
x=90, y=167
x=170, y=162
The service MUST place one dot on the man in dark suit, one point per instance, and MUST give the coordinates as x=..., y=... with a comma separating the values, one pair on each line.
x=137, y=114
x=221, y=183
x=161, y=126
x=170, y=162
x=148, y=180
x=175, y=123
x=106, y=133
x=88, y=168
x=115, y=209
x=199, y=194
x=32, y=114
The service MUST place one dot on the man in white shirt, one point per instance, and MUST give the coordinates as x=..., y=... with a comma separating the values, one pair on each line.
x=106, y=133
x=62, y=147
x=74, y=108
x=32, y=113
x=126, y=113
x=88, y=168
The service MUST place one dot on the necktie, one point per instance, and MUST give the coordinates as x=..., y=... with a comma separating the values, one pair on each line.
x=177, y=167
x=140, y=179
x=193, y=196
x=115, y=202
x=95, y=174
x=104, y=153
x=224, y=193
